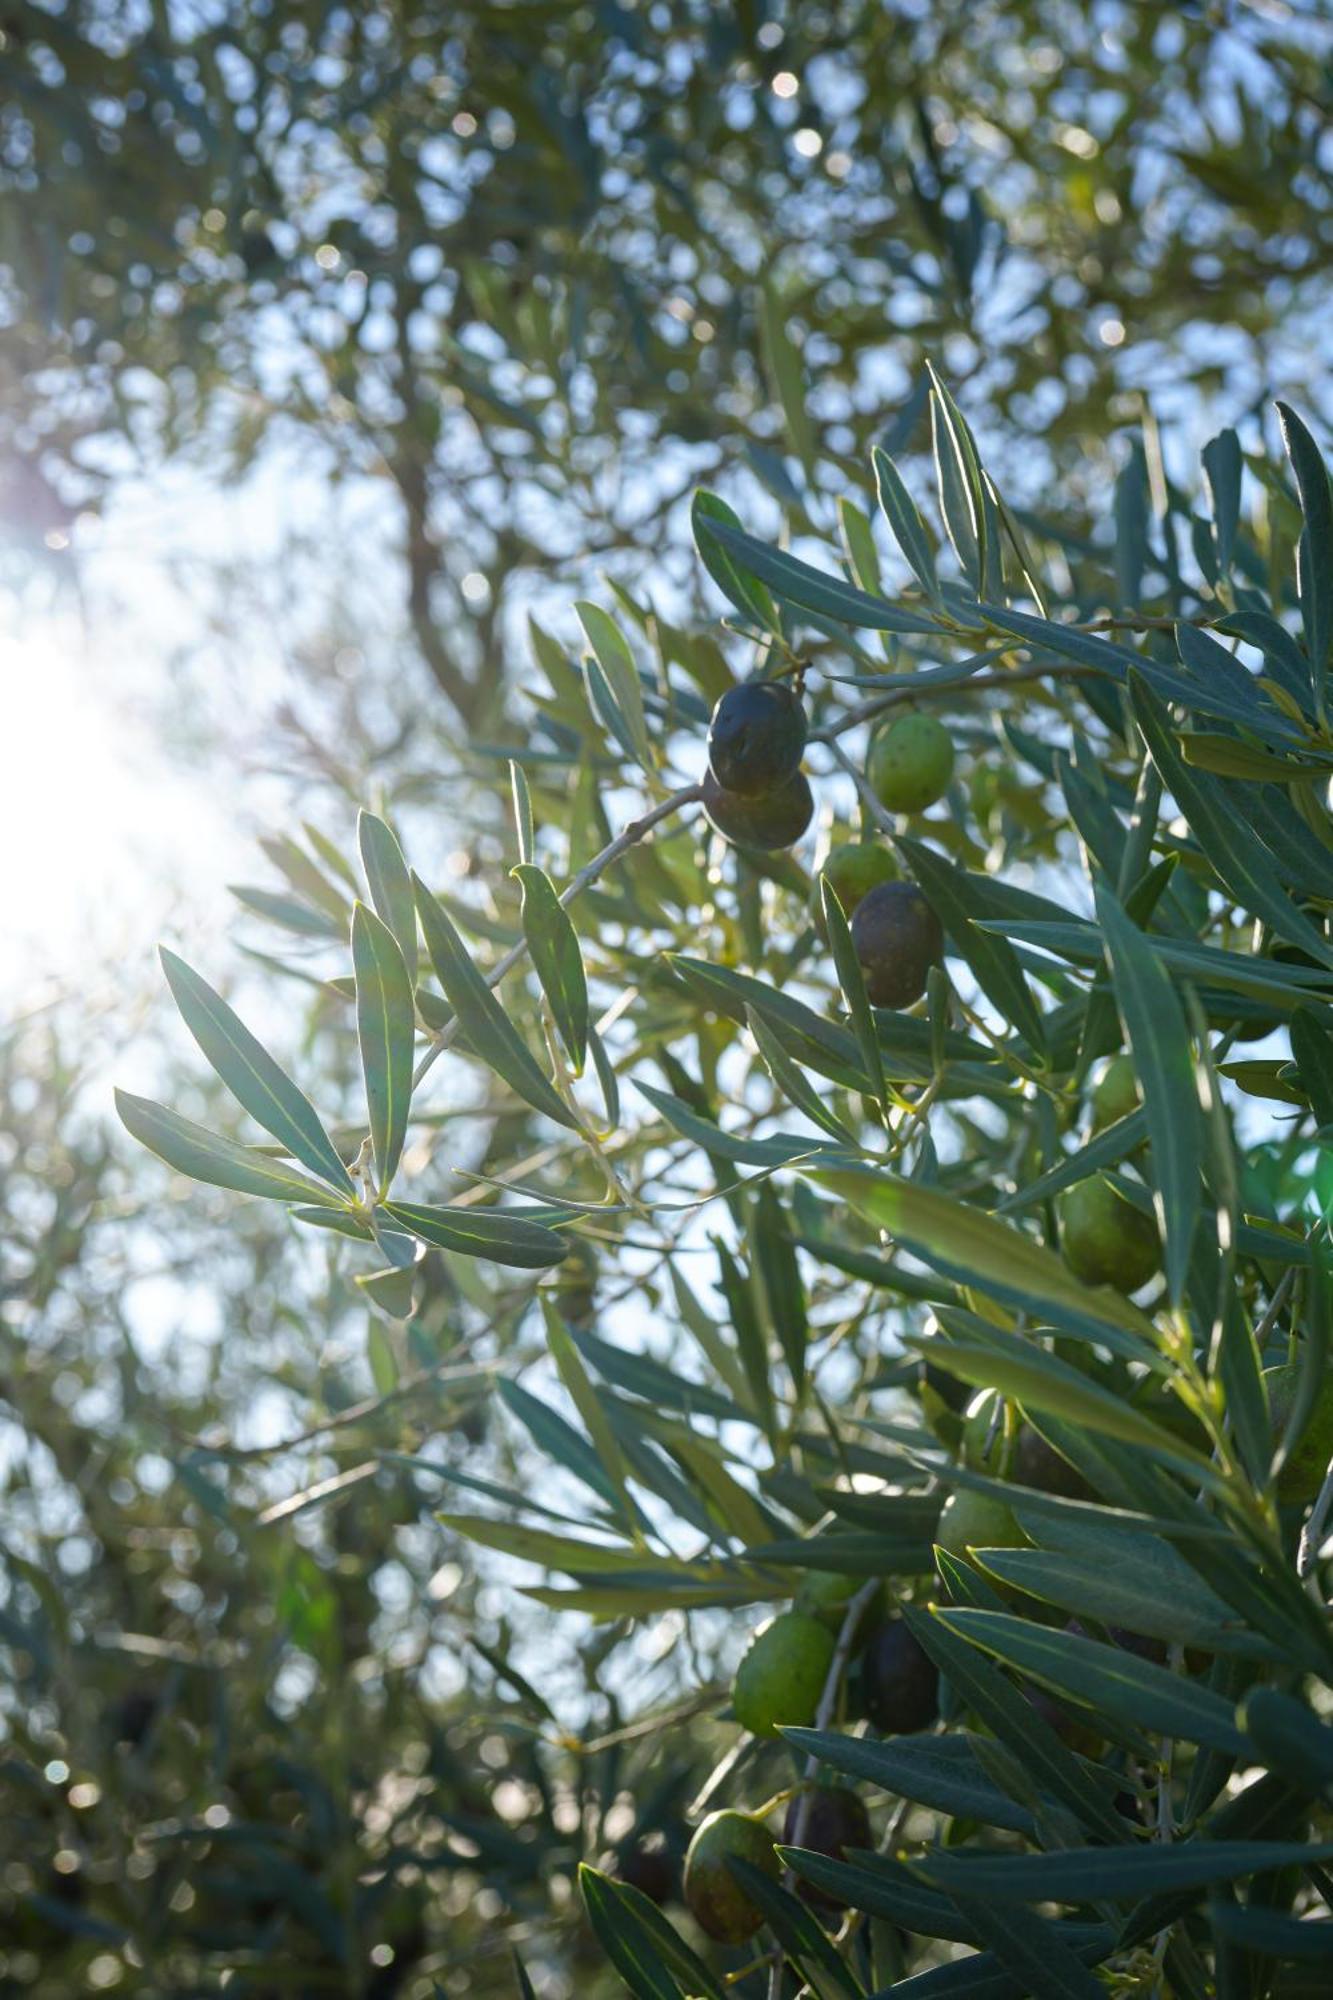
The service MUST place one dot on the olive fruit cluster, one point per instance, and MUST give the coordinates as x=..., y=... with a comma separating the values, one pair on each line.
x=755, y=791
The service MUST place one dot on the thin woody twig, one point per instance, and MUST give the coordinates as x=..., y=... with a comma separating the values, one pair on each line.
x=828, y=1702
x=587, y=875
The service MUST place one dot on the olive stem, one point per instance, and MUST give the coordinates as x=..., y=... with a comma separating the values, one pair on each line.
x=1312, y=1534
x=828, y=1702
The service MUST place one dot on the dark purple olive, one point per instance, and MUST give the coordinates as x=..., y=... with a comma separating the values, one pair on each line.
x=835, y=1819
x=898, y=939
x=900, y=1683
x=756, y=738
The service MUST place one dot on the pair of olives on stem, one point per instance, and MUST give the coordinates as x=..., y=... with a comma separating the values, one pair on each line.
x=779, y=1682
x=756, y=795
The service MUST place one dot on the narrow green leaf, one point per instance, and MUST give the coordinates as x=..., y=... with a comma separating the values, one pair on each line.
x=292, y=914
x=848, y=968
x=613, y=655
x=556, y=959
x=685, y=1964
x=800, y=1935
x=1302, y=1940
x=251, y=1075
x=1290, y=1738
x=482, y=1232
x=301, y=872
x=937, y=1771
x=744, y=591
x=522, y=797
x=206, y=1156
x=882, y=1888
x=623, y=1938
x=787, y=375
x=1223, y=468
x=1315, y=557
x=974, y=1248
x=1032, y=1949
x=1312, y=1053
x=1112, y=1874
x=809, y=589
x=909, y=530
x=569, y=1555
x=779, y=1275
x=607, y=1080
x=992, y=960
x=585, y=1400
x=858, y=542
x=1239, y=858
x=789, y=1079
x=1019, y=1367
x=491, y=1034
x=958, y=474
x=1105, y=1149
x=390, y=884
x=750, y=1344
x=1155, y=1028
x=1107, y=1679
x=385, y=1027
x=1022, y=1729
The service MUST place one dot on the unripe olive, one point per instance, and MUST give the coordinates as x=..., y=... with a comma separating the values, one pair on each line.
x=900, y=1682
x=782, y=1673
x=1115, y=1093
x=1105, y=1239
x=826, y=1594
x=719, y=1904
x=854, y=869
x=971, y=1520
x=897, y=938
x=826, y=1819
x=767, y=819
x=910, y=763
x=1303, y=1474
x=756, y=737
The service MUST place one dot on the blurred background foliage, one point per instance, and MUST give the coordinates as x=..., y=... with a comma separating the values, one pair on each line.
x=528, y=275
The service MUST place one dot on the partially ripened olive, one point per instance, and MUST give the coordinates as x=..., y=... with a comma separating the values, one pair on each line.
x=826, y=1595
x=756, y=737
x=857, y=867
x=900, y=1682
x=772, y=819
x=897, y=938
x=826, y=1819
x=1115, y=1093
x=719, y=1904
x=781, y=1675
x=910, y=763
x=1105, y=1239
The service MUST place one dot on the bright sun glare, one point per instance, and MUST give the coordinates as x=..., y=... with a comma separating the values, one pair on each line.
x=101, y=832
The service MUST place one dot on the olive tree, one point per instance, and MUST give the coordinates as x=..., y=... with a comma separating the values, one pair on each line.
x=903, y=1243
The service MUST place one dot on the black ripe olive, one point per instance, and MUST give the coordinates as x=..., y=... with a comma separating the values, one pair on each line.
x=772, y=819
x=756, y=737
